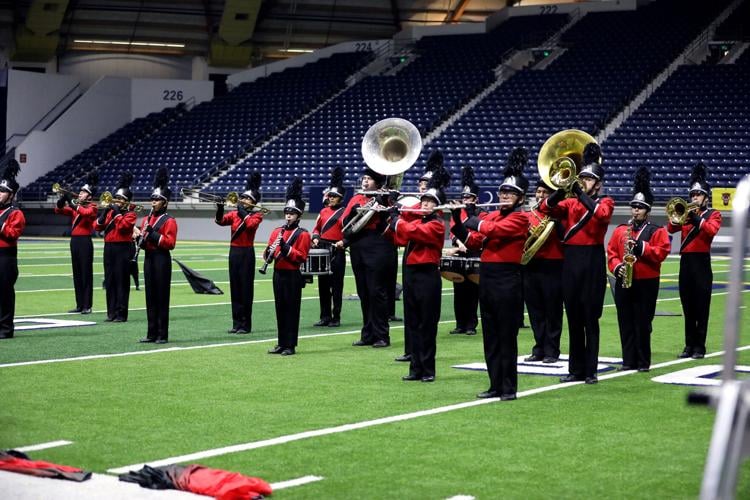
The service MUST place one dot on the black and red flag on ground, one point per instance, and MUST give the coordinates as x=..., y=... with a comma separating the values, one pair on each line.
x=16, y=461
x=198, y=282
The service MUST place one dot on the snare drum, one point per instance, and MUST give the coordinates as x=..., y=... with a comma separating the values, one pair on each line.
x=471, y=267
x=318, y=262
x=452, y=268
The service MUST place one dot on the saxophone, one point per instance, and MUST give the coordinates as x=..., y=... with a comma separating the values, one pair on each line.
x=628, y=258
x=271, y=250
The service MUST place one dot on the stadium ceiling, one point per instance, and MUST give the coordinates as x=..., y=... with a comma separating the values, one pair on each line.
x=283, y=28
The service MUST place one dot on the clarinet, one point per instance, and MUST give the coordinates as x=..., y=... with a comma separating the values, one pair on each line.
x=271, y=249
x=139, y=240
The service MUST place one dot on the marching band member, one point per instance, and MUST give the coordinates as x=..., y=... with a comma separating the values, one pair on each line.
x=288, y=247
x=371, y=254
x=434, y=161
x=244, y=222
x=634, y=256
x=329, y=230
x=466, y=293
x=83, y=215
x=584, y=218
x=542, y=283
x=12, y=224
x=696, y=276
x=157, y=236
x=423, y=239
x=117, y=222
x=500, y=285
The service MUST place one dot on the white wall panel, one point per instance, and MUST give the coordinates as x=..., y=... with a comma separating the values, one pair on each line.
x=89, y=67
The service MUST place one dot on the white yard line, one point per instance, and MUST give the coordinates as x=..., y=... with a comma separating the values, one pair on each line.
x=295, y=482
x=289, y=438
x=43, y=446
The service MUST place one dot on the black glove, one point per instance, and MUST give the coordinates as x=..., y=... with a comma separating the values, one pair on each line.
x=459, y=231
x=471, y=209
x=472, y=223
x=576, y=189
x=392, y=222
x=153, y=236
x=242, y=211
x=393, y=211
x=219, y=212
x=383, y=199
x=103, y=215
x=69, y=200
x=556, y=197
x=285, y=248
x=638, y=248
x=61, y=202
x=587, y=202
x=694, y=218
x=115, y=208
x=456, y=216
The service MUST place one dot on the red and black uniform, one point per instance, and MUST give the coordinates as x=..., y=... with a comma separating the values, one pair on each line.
x=636, y=305
x=159, y=231
x=289, y=254
x=241, y=264
x=81, y=251
x=423, y=239
x=117, y=226
x=466, y=293
x=584, y=274
x=410, y=215
x=371, y=255
x=12, y=224
x=543, y=292
x=696, y=277
x=501, y=293
x=328, y=230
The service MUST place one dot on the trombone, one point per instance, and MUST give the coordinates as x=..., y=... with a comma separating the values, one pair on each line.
x=232, y=199
x=678, y=210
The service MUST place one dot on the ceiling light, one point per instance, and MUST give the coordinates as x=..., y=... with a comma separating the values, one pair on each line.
x=140, y=44
x=299, y=51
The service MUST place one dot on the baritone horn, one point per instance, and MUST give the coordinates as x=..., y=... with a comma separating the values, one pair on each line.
x=678, y=209
x=390, y=147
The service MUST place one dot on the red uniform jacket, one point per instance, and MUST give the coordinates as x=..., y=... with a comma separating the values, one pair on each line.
x=655, y=250
x=581, y=227
x=506, y=235
x=298, y=251
x=330, y=231
x=410, y=215
x=11, y=229
x=117, y=228
x=475, y=241
x=552, y=248
x=166, y=233
x=84, y=217
x=246, y=238
x=698, y=239
x=422, y=238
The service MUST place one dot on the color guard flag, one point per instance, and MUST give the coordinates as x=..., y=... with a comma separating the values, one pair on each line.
x=198, y=282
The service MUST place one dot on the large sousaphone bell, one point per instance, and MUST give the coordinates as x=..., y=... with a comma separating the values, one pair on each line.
x=559, y=162
x=390, y=147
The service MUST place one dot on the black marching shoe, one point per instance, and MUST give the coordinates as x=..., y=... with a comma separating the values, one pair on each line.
x=533, y=358
x=570, y=378
x=471, y=331
x=625, y=368
x=549, y=359
x=698, y=355
x=591, y=380
x=359, y=343
x=395, y=318
x=410, y=378
x=119, y=320
x=146, y=340
x=508, y=397
x=76, y=310
x=458, y=331
x=428, y=378
x=487, y=394
x=381, y=343
x=686, y=353
x=276, y=350
x=86, y=311
x=403, y=358
x=232, y=330
x=241, y=331
x=289, y=351
x=160, y=341
x=322, y=322
x=334, y=323
x=644, y=369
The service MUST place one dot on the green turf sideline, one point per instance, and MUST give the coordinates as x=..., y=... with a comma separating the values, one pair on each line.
x=191, y=457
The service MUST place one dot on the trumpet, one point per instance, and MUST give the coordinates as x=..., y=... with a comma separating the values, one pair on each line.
x=678, y=209
x=59, y=190
x=106, y=200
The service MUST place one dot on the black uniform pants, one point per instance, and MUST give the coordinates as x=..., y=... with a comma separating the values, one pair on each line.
x=500, y=300
x=157, y=275
x=82, y=258
x=117, y=279
x=584, y=284
x=407, y=328
x=542, y=283
x=371, y=255
x=696, y=283
x=8, y=277
x=422, y=295
x=242, y=286
x=636, y=307
x=287, y=295
x=331, y=287
x=465, y=302
x=392, y=280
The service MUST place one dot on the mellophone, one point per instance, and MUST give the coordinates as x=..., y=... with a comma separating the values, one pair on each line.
x=457, y=269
